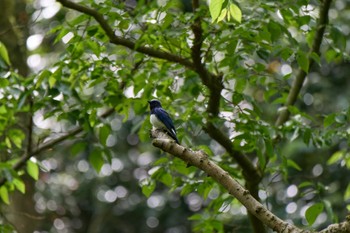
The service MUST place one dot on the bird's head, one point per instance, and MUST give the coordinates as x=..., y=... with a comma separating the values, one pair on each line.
x=154, y=104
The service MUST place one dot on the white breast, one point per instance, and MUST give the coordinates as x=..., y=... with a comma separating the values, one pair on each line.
x=156, y=123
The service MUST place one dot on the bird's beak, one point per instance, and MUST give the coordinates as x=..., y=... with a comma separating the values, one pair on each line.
x=149, y=101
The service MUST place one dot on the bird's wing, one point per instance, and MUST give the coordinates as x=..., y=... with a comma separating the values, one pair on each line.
x=164, y=117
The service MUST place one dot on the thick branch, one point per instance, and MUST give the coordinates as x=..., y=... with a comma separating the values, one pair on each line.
x=343, y=227
x=23, y=160
x=212, y=82
x=117, y=40
x=197, y=45
x=215, y=86
x=301, y=75
x=201, y=160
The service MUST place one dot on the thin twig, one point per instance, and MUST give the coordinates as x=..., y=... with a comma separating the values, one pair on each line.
x=30, y=126
x=301, y=75
x=117, y=40
x=23, y=160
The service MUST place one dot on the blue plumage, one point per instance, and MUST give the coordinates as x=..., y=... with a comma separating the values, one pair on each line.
x=160, y=119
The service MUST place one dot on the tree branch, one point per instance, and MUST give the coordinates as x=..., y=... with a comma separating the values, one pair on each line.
x=201, y=160
x=30, y=126
x=215, y=86
x=117, y=40
x=212, y=82
x=301, y=75
x=197, y=45
x=23, y=160
x=343, y=227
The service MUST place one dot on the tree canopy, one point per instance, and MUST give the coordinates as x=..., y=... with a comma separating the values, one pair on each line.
x=257, y=91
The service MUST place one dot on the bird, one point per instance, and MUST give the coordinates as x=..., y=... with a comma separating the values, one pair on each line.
x=160, y=119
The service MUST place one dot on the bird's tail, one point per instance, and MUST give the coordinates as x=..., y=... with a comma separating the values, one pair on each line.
x=173, y=136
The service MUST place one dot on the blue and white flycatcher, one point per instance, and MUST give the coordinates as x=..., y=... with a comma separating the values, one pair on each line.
x=160, y=119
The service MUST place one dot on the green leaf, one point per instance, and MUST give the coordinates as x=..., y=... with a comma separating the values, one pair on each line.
x=204, y=189
x=43, y=75
x=195, y=217
x=166, y=179
x=104, y=133
x=92, y=30
x=305, y=184
x=8, y=142
x=291, y=163
x=215, y=7
x=347, y=193
x=339, y=38
x=307, y=136
x=329, y=120
x=168, y=19
x=4, y=194
x=93, y=117
x=161, y=161
x=78, y=148
x=124, y=24
x=330, y=55
x=240, y=85
x=148, y=187
x=303, y=61
x=180, y=166
x=96, y=159
x=19, y=184
x=263, y=54
x=275, y=30
x=222, y=15
x=217, y=225
x=310, y=38
x=3, y=109
x=329, y=210
x=94, y=46
x=312, y=212
x=17, y=137
x=188, y=188
x=6, y=228
x=162, y=175
x=261, y=149
x=4, y=82
x=315, y=57
x=235, y=12
x=61, y=34
x=52, y=81
x=336, y=157
x=4, y=54
x=33, y=169
x=286, y=53
x=78, y=20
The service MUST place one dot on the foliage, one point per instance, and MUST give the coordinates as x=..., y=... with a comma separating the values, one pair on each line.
x=88, y=121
